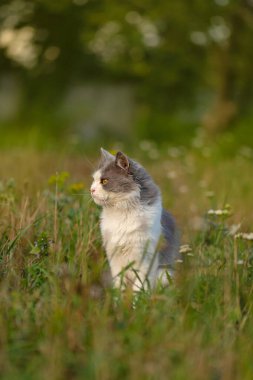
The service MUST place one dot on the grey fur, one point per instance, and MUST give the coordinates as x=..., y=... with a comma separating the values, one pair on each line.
x=119, y=180
x=149, y=191
x=125, y=175
x=169, y=252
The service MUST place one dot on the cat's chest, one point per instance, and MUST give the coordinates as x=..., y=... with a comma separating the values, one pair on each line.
x=115, y=223
x=123, y=227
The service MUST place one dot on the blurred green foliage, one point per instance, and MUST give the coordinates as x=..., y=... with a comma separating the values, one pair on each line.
x=189, y=62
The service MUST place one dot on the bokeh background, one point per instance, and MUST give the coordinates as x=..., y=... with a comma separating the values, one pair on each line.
x=78, y=72
x=170, y=83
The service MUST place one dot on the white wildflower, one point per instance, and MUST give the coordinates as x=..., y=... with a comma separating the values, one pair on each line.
x=244, y=236
x=185, y=248
x=234, y=228
x=219, y=212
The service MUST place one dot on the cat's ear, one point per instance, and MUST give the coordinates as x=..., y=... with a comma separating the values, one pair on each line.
x=122, y=161
x=106, y=156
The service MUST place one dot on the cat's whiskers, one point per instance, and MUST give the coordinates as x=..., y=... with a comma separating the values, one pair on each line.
x=89, y=163
x=82, y=194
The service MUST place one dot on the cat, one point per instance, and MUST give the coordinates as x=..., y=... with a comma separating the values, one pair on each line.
x=131, y=223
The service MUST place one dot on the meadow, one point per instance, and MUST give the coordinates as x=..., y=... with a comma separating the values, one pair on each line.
x=59, y=317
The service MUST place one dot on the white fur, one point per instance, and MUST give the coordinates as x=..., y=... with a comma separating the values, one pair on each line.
x=99, y=195
x=130, y=234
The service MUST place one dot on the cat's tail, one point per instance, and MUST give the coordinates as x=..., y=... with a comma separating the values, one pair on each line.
x=170, y=251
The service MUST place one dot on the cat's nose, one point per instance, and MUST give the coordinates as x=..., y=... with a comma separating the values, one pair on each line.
x=92, y=190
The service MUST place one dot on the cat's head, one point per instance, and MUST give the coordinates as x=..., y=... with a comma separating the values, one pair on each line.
x=113, y=183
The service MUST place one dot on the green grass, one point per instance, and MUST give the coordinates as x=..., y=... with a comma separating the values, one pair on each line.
x=59, y=318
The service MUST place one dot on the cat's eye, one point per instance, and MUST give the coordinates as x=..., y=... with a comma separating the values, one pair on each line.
x=104, y=181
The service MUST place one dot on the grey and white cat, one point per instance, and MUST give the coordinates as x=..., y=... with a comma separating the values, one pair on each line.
x=132, y=221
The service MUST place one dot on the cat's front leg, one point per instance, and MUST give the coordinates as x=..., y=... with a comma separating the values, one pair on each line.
x=145, y=276
x=117, y=268
x=128, y=273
